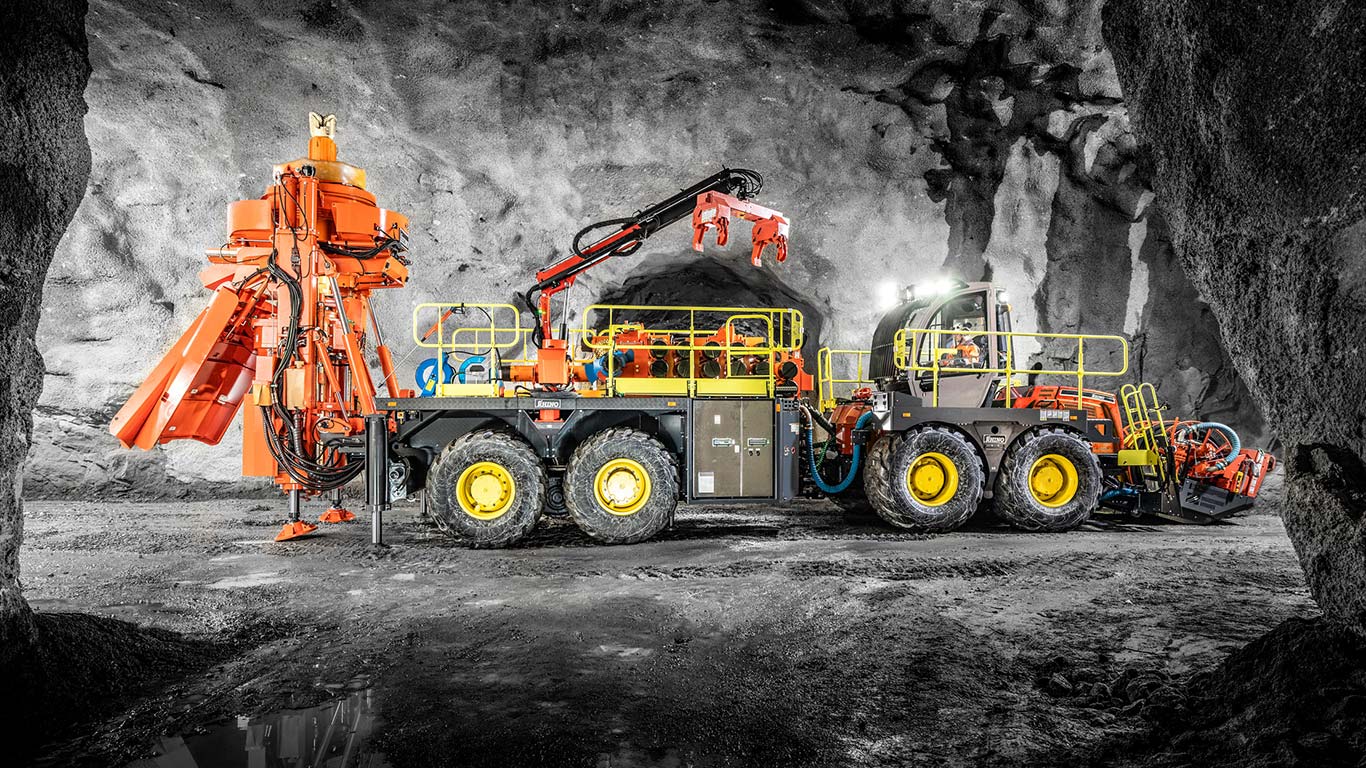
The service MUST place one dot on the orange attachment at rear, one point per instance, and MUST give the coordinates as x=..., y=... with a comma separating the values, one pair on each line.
x=285, y=331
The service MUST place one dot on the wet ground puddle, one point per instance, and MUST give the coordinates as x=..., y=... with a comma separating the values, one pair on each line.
x=332, y=735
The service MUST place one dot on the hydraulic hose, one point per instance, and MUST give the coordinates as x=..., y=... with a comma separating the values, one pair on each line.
x=853, y=465
x=1234, y=444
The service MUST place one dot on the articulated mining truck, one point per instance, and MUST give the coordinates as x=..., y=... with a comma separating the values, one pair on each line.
x=616, y=420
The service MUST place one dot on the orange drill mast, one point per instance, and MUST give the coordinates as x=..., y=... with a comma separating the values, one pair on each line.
x=285, y=331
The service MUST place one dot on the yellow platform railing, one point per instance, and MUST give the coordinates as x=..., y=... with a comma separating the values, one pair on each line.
x=908, y=342
x=690, y=329
x=830, y=388
x=472, y=328
x=480, y=327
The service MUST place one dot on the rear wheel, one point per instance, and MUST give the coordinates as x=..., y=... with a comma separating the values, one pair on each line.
x=621, y=486
x=929, y=479
x=1049, y=481
x=487, y=489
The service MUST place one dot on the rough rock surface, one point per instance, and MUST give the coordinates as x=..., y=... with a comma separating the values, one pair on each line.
x=1257, y=134
x=1294, y=697
x=44, y=165
x=903, y=139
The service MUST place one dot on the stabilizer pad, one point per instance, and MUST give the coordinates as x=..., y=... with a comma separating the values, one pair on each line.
x=294, y=530
x=337, y=515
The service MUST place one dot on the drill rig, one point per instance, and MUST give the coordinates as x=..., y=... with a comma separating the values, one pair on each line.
x=713, y=405
x=285, y=332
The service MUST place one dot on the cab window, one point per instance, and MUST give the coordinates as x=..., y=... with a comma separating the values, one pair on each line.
x=963, y=343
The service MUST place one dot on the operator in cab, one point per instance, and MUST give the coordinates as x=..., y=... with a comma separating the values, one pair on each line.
x=965, y=352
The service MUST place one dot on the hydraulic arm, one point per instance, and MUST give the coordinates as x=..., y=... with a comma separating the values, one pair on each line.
x=711, y=202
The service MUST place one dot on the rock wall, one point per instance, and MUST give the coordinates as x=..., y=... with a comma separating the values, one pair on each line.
x=44, y=164
x=979, y=139
x=1257, y=132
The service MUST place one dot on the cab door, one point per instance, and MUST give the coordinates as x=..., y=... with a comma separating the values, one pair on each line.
x=964, y=346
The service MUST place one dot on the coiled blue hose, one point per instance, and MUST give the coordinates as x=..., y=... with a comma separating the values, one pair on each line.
x=1235, y=445
x=853, y=465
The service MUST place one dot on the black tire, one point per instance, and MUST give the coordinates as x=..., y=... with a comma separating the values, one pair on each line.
x=1018, y=505
x=887, y=472
x=504, y=525
x=554, y=499
x=649, y=514
x=875, y=465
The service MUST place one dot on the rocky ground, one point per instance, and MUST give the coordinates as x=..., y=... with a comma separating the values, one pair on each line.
x=744, y=636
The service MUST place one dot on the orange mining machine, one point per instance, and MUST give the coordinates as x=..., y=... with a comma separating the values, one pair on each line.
x=286, y=332
x=616, y=421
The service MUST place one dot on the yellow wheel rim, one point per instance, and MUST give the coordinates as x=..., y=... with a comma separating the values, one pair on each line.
x=1053, y=480
x=932, y=479
x=622, y=487
x=485, y=490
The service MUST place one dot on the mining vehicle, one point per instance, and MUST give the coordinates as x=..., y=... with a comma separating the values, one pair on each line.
x=617, y=419
x=947, y=391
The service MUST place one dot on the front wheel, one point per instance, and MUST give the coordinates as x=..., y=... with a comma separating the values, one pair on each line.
x=487, y=489
x=1049, y=481
x=929, y=479
x=621, y=486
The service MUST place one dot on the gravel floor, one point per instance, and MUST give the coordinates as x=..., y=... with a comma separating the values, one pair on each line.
x=743, y=636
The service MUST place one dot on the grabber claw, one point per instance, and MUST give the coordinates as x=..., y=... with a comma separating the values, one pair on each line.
x=294, y=530
x=337, y=515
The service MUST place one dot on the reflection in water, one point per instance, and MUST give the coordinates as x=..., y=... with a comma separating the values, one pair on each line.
x=333, y=735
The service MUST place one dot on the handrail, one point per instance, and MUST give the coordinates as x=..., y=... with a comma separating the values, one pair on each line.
x=502, y=333
x=825, y=374
x=1145, y=427
x=789, y=323
x=904, y=352
x=782, y=334
x=515, y=331
x=493, y=326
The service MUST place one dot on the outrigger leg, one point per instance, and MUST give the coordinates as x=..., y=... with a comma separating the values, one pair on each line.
x=295, y=527
x=337, y=513
x=376, y=474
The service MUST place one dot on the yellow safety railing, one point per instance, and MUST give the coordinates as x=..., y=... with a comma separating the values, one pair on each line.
x=908, y=343
x=826, y=382
x=691, y=335
x=1145, y=429
x=471, y=327
x=483, y=328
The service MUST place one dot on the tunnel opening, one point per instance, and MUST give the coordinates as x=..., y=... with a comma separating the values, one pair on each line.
x=708, y=282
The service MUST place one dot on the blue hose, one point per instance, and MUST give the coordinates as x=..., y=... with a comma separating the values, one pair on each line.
x=853, y=466
x=1235, y=445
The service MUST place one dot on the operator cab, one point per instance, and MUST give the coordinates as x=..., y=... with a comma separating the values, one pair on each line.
x=962, y=329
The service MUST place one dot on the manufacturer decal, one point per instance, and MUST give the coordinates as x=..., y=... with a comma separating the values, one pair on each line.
x=551, y=404
x=1052, y=413
x=994, y=441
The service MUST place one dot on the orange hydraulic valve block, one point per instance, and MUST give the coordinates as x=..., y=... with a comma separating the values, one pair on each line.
x=286, y=328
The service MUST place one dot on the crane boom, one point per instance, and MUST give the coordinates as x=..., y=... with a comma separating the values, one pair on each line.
x=711, y=202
